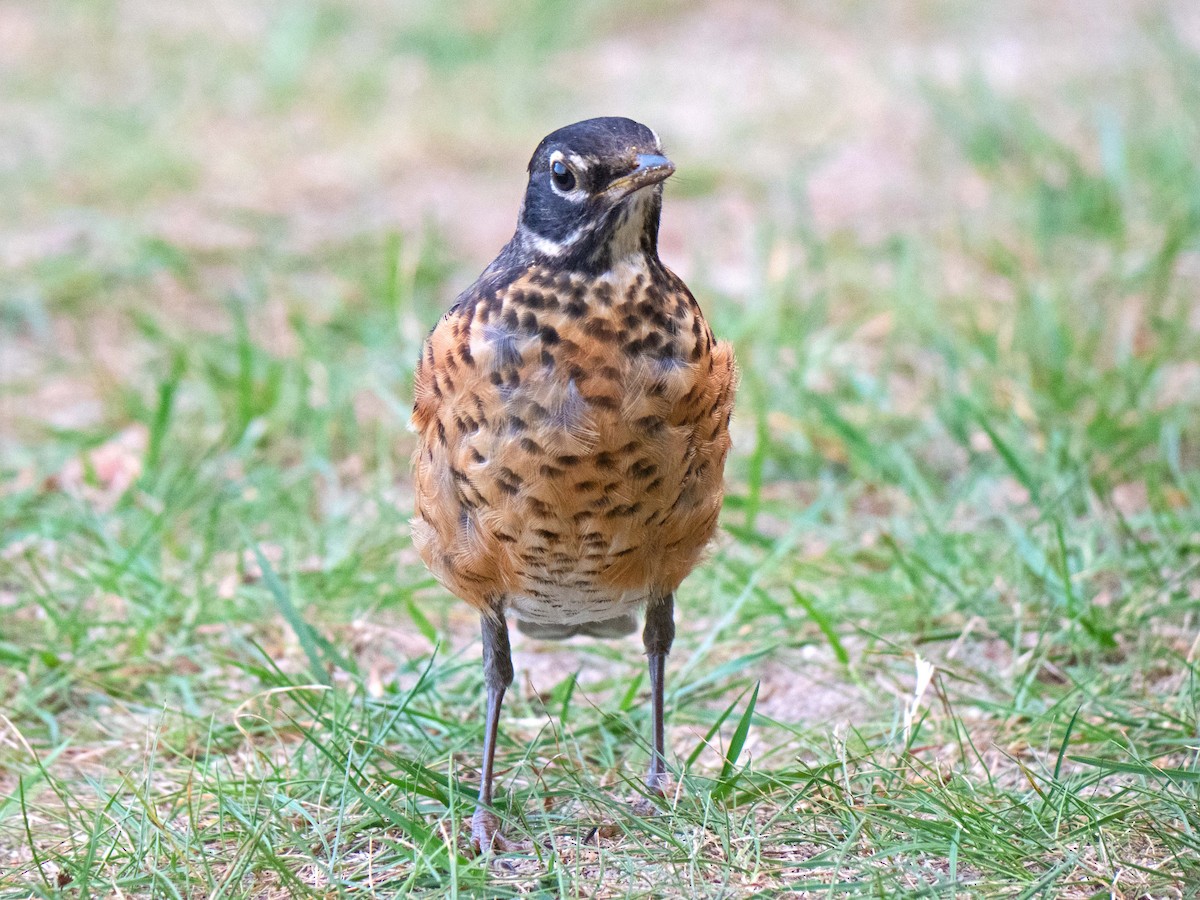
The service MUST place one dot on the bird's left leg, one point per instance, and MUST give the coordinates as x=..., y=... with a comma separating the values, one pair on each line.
x=497, y=675
x=657, y=637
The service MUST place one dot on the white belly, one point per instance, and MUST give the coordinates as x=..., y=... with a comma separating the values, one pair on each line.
x=567, y=606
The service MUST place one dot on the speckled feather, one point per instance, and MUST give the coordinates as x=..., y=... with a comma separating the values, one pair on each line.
x=573, y=432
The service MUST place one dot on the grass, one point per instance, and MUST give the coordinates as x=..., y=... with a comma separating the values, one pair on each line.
x=947, y=643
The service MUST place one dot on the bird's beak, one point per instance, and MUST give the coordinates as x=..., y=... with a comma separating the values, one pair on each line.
x=651, y=169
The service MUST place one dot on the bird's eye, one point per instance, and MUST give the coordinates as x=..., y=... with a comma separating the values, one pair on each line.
x=564, y=178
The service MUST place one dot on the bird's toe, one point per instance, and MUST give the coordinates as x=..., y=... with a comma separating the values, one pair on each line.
x=486, y=836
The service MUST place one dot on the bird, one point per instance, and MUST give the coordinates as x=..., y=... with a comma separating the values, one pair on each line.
x=572, y=412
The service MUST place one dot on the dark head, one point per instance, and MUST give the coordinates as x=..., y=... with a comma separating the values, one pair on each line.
x=594, y=195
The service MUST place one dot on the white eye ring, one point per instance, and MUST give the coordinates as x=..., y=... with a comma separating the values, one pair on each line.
x=564, y=177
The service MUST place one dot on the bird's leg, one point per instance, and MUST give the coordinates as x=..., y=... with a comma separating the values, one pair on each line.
x=497, y=675
x=657, y=638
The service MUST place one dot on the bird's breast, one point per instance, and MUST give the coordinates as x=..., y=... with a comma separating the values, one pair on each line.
x=573, y=442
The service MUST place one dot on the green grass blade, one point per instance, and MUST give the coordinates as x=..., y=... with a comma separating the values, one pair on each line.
x=727, y=780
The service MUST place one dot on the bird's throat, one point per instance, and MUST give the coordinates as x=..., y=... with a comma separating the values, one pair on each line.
x=635, y=230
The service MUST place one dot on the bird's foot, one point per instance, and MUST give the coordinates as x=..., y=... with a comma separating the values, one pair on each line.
x=486, y=836
x=656, y=786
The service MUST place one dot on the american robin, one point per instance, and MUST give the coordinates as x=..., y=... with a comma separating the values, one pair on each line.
x=573, y=412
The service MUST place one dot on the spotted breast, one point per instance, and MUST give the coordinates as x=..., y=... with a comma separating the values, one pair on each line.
x=574, y=430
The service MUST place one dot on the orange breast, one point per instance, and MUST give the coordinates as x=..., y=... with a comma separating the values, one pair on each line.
x=573, y=439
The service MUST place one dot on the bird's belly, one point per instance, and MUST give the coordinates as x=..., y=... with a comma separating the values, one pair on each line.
x=561, y=605
x=581, y=550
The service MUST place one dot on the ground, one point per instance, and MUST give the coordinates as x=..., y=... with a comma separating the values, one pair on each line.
x=948, y=641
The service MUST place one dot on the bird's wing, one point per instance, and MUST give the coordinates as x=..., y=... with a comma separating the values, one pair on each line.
x=452, y=399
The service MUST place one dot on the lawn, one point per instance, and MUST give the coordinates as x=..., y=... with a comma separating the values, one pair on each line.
x=948, y=640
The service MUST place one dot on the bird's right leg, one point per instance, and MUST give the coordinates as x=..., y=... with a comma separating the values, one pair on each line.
x=497, y=675
x=658, y=636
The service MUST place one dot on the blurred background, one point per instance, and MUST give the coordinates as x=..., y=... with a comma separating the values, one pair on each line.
x=957, y=246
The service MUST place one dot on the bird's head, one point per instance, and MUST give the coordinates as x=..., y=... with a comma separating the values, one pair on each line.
x=594, y=194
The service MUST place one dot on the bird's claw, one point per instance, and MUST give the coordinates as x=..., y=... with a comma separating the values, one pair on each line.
x=656, y=786
x=486, y=836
